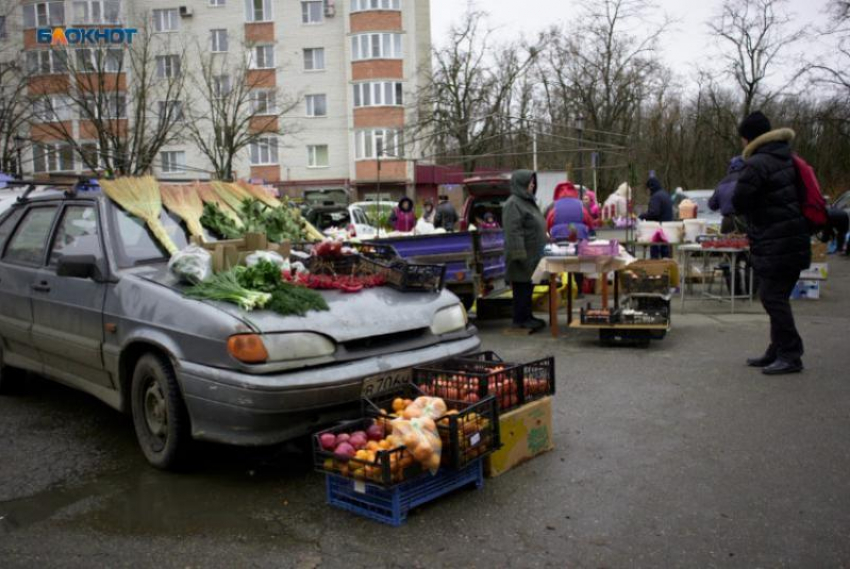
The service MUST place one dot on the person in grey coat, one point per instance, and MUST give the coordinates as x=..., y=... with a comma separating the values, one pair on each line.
x=525, y=238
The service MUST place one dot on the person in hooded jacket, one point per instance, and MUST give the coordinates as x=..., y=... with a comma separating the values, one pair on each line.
x=403, y=218
x=767, y=193
x=721, y=199
x=525, y=238
x=660, y=209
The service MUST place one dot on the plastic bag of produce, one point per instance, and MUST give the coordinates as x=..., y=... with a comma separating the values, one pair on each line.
x=430, y=407
x=421, y=439
x=269, y=256
x=192, y=264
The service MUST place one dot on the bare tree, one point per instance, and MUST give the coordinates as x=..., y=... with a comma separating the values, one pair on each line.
x=755, y=35
x=129, y=101
x=470, y=92
x=236, y=107
x=14, y=111
x=607, y=70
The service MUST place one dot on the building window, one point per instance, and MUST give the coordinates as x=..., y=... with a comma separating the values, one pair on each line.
x=167, y=66
x=98, y=60
x=43, y=14
x=314, y=59
x=258, y=10
x=312, y=12
x=54, y=108
x=169, y=112
x=317, y=156
x=264, y=151
x=166, y=20
x=373, y=142
x=263, y=102
x=380, y=93
x=53, y=157
x=172, y=161
x=376, y=46
x=97, y=11
x=317, y=105
x=105, y=106
x=221, y=86
x=219, y=40
x=45, y=62
x=2, y=27
x=263, y=57
x=364, y=5
x=90, y=156
x=217, y=3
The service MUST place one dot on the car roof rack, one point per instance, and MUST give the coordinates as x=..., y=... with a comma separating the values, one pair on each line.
x=70, y=188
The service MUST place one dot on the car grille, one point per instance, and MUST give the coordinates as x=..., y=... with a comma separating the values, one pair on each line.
x=376, y=343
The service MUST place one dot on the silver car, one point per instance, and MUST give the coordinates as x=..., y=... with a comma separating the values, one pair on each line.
x=86, y=299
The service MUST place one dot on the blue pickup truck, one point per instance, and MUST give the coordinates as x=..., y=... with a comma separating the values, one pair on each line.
x=475, y=260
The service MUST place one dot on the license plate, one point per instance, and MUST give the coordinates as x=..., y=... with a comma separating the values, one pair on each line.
x=384, y=382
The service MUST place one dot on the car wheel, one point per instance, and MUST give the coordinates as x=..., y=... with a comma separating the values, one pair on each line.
x=11, y=379
x=159, y=414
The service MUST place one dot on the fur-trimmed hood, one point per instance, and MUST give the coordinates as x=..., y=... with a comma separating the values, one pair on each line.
x=778, y=135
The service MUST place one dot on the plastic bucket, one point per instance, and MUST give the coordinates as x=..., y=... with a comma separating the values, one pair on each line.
x=674, y=230
x=646, y=231
x=693, y=229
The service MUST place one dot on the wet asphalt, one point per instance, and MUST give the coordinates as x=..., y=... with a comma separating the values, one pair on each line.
x=671, y=456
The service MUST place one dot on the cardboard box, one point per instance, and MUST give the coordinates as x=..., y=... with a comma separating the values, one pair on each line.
x=655, y=267
x=525, y=433
x=806, y=290
x=819, y=252
x=230, y=253
x=817, y=272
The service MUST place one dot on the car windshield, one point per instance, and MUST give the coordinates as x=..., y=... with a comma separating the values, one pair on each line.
x=135, y=243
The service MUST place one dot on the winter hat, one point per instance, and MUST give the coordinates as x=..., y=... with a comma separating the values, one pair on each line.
x=755, y=125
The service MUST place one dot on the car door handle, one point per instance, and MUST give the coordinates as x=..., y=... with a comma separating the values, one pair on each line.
x=43, y=286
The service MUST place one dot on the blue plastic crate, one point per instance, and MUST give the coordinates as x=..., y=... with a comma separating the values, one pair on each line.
x=391, y=505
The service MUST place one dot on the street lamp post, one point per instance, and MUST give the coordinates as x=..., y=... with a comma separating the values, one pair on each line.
x=580, y=129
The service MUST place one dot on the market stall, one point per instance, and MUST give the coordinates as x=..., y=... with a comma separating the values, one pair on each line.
x=632, y=317
x=728, y=250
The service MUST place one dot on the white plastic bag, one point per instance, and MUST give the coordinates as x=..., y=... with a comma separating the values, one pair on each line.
x=192, y=264
x=269, y=256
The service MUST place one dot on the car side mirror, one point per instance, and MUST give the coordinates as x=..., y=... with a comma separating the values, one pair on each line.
x=79, y=267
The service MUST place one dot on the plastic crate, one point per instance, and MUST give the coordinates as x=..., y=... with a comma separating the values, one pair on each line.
x=406, y=277
x=590, y=249
x=639, y=281
x=468, y=431
x=392, y=506
x=390, y=467
x=485, y=374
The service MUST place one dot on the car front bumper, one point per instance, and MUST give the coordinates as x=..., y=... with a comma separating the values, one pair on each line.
x=238, y=408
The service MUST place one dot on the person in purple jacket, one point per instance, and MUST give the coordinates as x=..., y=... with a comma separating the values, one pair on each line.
x=721, y=199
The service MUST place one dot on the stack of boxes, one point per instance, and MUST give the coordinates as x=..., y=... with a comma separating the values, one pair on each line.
x=809, y=285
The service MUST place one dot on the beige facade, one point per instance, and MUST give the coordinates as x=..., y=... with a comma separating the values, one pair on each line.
x=354, y=68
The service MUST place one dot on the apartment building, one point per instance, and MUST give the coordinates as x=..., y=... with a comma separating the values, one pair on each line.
x=351, y=68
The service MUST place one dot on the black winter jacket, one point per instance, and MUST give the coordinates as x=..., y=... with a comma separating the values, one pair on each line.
x=660, y=204
x=767, y=193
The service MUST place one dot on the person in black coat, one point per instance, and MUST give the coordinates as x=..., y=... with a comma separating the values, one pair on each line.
x=837, y=226
x=445, y=216
x=660, y=209
x=768, y=195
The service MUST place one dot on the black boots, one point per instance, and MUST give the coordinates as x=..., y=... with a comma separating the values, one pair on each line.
x=782, y=367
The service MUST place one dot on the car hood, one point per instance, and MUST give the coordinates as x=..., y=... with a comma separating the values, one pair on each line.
x=373, y=312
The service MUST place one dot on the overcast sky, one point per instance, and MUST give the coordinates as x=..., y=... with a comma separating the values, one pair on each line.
x=688, y=43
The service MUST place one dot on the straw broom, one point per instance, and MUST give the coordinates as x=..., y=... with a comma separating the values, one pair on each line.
x=184, y=202
x=141, y=198
x=230, y=196
x=260, y=194
x=208, y=195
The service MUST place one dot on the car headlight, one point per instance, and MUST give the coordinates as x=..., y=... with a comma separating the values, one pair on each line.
x=451, y=319
x=256, y=349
